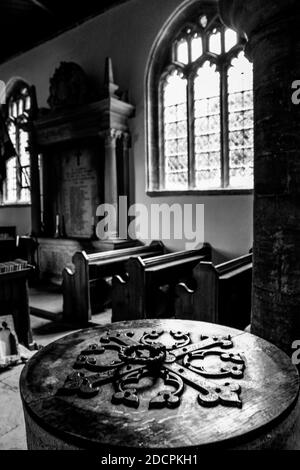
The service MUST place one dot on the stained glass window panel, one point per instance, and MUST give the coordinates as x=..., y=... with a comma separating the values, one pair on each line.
x=27, y=103
x=11, y=180
x=240, y=108
x=196, y=45
x=20, y=107
x=12, y=132
x=183, y=52
x=215, y=42
x=17, y=183
x=207, y=127
x=175, y=131
x=230, y=39
x=14, y=109
x=23, y=148
x=25, y=195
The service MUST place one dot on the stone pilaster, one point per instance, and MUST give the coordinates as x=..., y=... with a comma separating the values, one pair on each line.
x=111, y=177
x=272, y=30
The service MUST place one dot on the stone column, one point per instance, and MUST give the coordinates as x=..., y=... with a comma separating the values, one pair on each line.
x=272, y=30
x=126, y=170
x=35, y=189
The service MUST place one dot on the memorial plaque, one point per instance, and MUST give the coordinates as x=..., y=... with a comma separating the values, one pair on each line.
x=79, y=191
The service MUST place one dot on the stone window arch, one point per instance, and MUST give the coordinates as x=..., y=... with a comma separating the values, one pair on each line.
x=20, y=103
x=199, y=105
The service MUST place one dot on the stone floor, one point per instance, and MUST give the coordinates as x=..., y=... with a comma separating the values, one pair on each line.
x=12, y=428
x=46, y=302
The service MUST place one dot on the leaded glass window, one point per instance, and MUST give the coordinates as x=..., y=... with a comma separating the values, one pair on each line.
x=17, y=184
x=240, y=118
x=207, y=126
x=206, y=110
x=175, y=131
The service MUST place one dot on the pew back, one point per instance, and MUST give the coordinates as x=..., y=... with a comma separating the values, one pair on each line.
x=147, y=290
x=218, y=294
x=83, y=286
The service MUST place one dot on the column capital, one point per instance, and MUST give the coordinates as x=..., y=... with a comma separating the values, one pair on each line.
x=111, y=136
x=253, y=17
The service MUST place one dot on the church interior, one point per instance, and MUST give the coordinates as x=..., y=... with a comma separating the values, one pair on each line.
x=149, y=225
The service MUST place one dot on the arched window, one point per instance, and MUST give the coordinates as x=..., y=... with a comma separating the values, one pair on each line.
x=199, y=105
x=19, y=113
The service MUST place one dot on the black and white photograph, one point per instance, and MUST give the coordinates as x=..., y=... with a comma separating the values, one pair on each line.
x=149, y=229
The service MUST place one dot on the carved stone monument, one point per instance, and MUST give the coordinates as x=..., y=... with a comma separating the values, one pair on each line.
x=84, y=149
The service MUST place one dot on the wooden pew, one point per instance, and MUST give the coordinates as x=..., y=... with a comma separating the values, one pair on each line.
x=7, y=243
x=147, y=289
x=218, y=294
x=8, y=232
x=18, y=247
x=14, y=277
x=83, y=288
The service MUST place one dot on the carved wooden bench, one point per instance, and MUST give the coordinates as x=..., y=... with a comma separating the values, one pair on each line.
x=83, y=288
x=147, y=289
x=218, y=294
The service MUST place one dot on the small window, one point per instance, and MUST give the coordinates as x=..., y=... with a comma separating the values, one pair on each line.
x=17, y=183
x=200, y=129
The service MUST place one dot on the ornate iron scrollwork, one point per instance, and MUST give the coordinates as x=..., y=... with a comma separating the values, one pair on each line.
x=182, y=362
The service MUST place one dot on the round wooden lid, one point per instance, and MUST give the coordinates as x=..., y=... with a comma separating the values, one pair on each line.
x=158, y=384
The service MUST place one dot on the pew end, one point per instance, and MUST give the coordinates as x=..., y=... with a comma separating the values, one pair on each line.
x=67, y=286
x=158, y=244
x=184, y=302
x=119, y=290
x=150, y=289
x=199, y=303
x=222, y=293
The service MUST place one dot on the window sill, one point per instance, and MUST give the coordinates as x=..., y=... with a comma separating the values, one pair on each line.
x=14, y=204
x=197, y=192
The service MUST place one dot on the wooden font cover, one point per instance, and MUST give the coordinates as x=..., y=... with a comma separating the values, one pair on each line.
x=159, y=384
